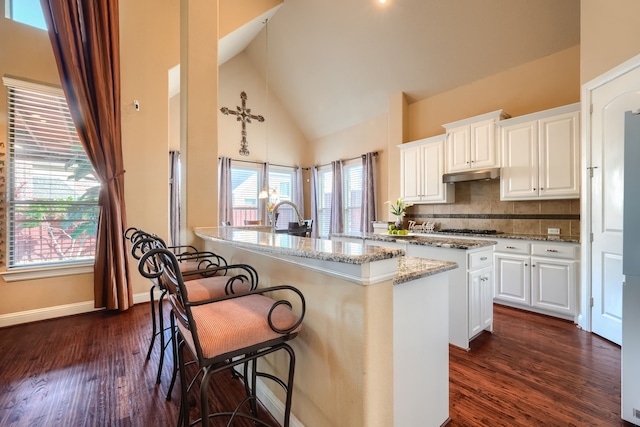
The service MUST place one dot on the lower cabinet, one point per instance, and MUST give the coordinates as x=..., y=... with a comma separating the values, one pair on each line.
x=470, y=289
x=480, y=300
x=537, y=276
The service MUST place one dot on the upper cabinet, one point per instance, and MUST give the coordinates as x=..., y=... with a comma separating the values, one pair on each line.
x=421, y=170
x=472, y=143
x=540, y=155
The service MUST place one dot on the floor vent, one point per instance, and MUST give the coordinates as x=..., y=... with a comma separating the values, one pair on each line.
x=636, y=413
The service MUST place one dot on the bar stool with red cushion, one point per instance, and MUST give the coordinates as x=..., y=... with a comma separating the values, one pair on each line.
x=236, y=329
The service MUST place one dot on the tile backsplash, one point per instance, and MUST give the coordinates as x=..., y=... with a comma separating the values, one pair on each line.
x=478, y=206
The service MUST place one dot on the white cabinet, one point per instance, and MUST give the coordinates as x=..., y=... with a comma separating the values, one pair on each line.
x=471, y=143
x=513, y=278
x=537, y=276
x=480, y=300
x=540, y=155
x=470, y=289
x=421, y=169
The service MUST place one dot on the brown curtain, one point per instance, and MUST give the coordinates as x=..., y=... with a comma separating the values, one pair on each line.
x=85, y=39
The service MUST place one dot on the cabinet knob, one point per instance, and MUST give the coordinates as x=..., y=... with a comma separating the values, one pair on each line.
x=552, y=250
x=533, y=189
x=541, y=188
x=526, y=265
x=533, y=265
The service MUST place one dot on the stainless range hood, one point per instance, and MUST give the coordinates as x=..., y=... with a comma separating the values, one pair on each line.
x=475, y=175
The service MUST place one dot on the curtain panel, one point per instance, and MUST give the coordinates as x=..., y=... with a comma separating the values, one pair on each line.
x=314, y=201
x=369, y=213
x=299, y=197
x=264, y=203
x=225, y=191
x=336, y=222
x=86, y=44
x=174, y=197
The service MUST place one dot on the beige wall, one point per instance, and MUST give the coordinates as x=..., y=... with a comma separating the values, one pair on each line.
x=235, y=13
x=609, y=34
x=371, y=135
x=548, y=82
x=277, y=139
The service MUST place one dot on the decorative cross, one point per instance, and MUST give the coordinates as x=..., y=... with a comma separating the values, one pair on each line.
x=243, y=115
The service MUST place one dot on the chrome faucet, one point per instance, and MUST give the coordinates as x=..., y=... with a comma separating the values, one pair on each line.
x=295, y=208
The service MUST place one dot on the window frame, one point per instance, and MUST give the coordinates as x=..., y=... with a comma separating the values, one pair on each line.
x=325, y=182
x=271, y=170
x=348, y=207
x=45, y=269
x=9, y=13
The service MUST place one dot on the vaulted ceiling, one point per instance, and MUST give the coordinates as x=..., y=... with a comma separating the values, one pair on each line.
x=334, y=63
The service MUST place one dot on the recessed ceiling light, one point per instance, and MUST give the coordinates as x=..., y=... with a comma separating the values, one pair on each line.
x=382, y=1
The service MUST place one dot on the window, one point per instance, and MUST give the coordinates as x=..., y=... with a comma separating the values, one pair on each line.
x=352, y=198
x=281, y=180
x=352, y=180
x=246, y=184
x=325, y=189
x=52, y=197
x=27, y=12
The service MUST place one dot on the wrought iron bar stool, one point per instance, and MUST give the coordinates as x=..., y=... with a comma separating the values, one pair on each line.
x=208, y=276
x=224, y=332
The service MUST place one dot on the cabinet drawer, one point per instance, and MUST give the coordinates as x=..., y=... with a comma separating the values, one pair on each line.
x=513, y=247
x=480, y=259
x=554, y=250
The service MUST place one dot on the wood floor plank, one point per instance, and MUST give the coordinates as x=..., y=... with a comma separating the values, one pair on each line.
x=535, y=370
x=90, y=370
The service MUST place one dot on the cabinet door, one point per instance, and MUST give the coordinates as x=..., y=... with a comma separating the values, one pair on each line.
x=519, y=152
x=559, y=157
x=512, y=278
x=486, y=297
x=433, y=190
x=480, y=300
x=553, y=284
x=458, y=155
x=483, y=145
x=475, y=303
x=410, y=173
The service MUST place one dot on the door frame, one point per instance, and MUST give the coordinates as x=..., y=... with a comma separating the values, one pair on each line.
x=584, y=318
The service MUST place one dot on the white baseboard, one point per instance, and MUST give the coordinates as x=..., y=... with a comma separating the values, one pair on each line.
x=28, y=316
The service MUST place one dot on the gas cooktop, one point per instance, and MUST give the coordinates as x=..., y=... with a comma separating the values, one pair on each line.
x=467, y=231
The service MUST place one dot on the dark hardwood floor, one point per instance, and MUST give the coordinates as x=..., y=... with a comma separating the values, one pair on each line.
x=535, y=370
x=89, y=370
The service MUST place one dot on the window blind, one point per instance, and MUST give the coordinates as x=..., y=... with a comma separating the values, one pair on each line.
x=52, y=193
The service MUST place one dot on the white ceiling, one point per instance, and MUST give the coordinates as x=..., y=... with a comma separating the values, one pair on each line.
x=334, y=63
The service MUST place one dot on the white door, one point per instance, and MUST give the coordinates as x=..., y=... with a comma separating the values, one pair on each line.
x=610, y=101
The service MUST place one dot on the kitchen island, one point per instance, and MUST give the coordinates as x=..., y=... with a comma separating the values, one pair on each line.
x=373, y=347
x=471, y=286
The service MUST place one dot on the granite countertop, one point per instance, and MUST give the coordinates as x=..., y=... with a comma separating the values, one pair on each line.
x=422, y=239
x=411, y=268
x=285, y=244
x=539, y=237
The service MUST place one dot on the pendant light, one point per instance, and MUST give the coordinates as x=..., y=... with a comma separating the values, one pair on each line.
x=264, y=193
